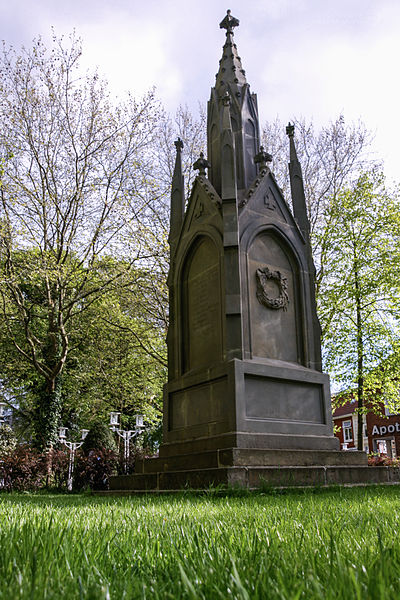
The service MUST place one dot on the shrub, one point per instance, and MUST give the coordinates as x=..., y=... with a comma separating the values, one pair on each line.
x=99, y=436
x=27, y=469
x=94, y=468
x=136, y=452
x=59, y=460
x=378, y=460
x=23, y=469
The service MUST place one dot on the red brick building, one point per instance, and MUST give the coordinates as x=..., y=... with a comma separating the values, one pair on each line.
x=381, y=432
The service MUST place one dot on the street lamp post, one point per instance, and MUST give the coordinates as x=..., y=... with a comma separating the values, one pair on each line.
x=2, y=413
x=72, y=447
x=126, y=434
x=2, y=421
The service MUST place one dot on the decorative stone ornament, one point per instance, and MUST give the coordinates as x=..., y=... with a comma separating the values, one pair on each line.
x=262, y=158
x=290, y=129
x=201, y=165
x=263, y=277
x=226, y=100
x=229, y=22
x=178, y=144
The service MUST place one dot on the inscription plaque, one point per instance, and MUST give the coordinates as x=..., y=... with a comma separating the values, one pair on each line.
x=202, y=307
x=276, y=399
x=199, y=404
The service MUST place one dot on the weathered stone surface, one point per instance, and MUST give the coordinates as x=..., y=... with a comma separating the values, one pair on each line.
x=356, y=475
x=251, y=457
x=254, y=477
x=134, y=482
x=246, y=400
x=244, y=351
x=201, y=306
x=258, y=457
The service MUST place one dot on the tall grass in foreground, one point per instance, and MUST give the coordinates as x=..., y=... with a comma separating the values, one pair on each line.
x=331, y=544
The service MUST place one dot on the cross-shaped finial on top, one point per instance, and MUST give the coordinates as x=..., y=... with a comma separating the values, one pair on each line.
x=290, y=130
x=178, y=144
x=229, y=22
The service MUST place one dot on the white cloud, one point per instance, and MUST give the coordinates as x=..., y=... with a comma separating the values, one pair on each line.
x=302, y=57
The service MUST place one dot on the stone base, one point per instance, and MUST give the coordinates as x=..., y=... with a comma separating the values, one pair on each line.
x=259, y=403
x=250, y=457
x=250, y=441
x=252, y=469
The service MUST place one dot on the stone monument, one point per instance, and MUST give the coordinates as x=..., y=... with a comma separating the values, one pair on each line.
x=246, y=400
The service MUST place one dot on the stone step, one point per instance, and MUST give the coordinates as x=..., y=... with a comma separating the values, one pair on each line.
x=256, y=477
x=292, y=458
x=249, y=440
x=146, y=482
x=251, y=457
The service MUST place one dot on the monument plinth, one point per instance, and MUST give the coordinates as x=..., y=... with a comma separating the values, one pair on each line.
x=246, y=399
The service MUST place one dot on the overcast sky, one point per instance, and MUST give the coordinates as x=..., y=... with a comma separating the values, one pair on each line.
x=311, y=58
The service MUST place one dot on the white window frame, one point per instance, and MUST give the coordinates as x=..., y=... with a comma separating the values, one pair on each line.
x=383, y=442
x=347, y=428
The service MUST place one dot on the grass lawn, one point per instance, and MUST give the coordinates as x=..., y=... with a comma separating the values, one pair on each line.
x=343, y=543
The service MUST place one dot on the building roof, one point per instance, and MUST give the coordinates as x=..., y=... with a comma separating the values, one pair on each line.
x=347, y=408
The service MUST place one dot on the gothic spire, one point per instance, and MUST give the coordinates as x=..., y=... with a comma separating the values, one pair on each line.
x=177, y=197
x=231, y=73
x=297, y=187
x=231, y=82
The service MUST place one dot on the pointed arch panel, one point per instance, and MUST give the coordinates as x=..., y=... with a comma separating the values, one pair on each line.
x=201, y=303
x=276, y=329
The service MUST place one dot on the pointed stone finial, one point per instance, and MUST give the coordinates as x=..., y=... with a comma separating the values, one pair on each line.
x=297, y=188
x=290, y=130
x=229, y=22
x=177, y=198
x=201, y=165
x=178, y=144
x=290, y=134
x=262, y=158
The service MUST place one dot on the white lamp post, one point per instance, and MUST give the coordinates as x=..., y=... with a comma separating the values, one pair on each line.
x=2, y=413
x=72, y=447
x=127, y=434
x=114, y=420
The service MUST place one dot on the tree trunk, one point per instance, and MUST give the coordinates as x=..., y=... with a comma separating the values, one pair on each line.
x=360, y=364
x=48, y=408
x=47, y=414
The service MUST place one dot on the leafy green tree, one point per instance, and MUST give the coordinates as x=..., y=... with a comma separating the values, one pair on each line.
x=116, y=358
x=120, y=363
x=359, y=295
x=72, y=167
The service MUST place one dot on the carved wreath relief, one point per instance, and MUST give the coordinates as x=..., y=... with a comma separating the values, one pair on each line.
x=263, y=276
